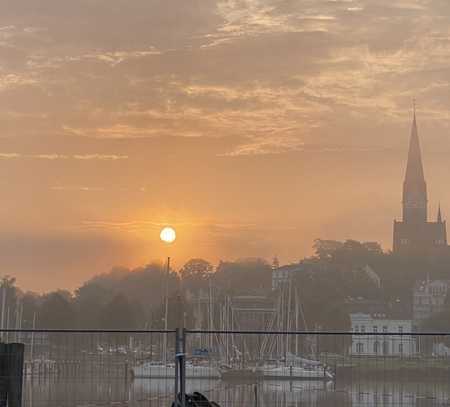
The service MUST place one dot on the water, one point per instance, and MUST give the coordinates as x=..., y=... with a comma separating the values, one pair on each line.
x=144, y=392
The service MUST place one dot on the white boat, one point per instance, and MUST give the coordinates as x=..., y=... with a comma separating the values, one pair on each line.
x=160, y=370
x=161, y=386
x=295, y=373
x=39, y=367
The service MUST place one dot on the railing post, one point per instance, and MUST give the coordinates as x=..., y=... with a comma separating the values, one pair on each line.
x=183, y=368
x=3, y=374
x=15, y=370
x=180, y=367
x=177, y=364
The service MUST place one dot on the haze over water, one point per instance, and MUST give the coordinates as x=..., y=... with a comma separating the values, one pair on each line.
x=142, y=392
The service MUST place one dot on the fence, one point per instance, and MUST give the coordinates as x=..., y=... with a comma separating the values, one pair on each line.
x=323, y=368
x=234, y=368
x=90, y=367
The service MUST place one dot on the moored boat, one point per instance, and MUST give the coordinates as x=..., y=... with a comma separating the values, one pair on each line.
x=161, y=370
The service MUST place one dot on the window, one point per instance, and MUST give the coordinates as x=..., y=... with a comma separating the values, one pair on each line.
x=375, y=347
x=400, y=329
x=385, y=348
x=385, y=329
x=356, y=328
x=359, y=347
x=375, y=329
x=363, y=328
x=403, y=241
x=400, y=348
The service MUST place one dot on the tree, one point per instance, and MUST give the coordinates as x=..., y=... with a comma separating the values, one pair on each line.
x=89, y=301
x=144, y=286
x=244, y=276
x=322, y=296
x=57, y=312
x=325, y=249
x=195, y=274
x=31, y=303
x=119, y=313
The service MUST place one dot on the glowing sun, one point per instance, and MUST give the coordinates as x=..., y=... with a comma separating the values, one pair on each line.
x=168, y=235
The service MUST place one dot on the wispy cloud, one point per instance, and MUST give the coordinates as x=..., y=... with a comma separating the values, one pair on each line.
x=77, y=188
x=52, y=157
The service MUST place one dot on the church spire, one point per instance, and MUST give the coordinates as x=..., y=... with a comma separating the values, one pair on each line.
x=414, y=168
x=414, y=187
x=439, y=216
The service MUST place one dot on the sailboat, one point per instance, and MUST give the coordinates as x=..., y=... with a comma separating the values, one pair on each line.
x=291, y=366
x=283, y=365
x=297, y=368
x=194, y=369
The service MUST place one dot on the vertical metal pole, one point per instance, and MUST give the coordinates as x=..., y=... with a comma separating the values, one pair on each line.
x=166, y=311
x=183, y=369
x=3, y=307
x=177, y=364
x=7, y=324
x=32, y=342
x=15, y=372
x=3, y=375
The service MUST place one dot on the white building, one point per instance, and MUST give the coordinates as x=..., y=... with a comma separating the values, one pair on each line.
x=429, y=298
x=381, y=338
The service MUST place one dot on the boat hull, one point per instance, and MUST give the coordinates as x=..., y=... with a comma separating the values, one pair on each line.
x=145, y=371
x=277, y=373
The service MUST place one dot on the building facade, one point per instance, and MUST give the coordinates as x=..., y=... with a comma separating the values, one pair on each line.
x=382, y=338
x=414, y=234
x=429, y=299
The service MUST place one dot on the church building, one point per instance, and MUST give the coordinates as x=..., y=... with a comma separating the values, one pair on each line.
x=414, y=235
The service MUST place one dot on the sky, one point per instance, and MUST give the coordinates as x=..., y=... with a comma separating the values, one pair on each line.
x=251, y=126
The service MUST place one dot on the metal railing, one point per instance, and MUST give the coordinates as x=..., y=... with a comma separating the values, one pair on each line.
x=95, y=367
x=274, y=368
x=68, y=368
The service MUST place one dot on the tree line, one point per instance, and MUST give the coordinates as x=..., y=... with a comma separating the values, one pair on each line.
x=134, y=298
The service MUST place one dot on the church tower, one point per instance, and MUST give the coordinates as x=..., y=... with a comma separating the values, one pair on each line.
x=414, y=235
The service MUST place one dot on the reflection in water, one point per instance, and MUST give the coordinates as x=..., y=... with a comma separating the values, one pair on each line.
x=72, y=392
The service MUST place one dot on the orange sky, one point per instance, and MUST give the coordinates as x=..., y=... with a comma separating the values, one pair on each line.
x=252, y=126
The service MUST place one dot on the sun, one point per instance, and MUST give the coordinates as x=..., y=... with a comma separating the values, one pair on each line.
x=168, y=235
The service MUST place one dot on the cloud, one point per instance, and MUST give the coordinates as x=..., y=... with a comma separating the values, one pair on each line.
x=276, y=73
x=52, y=157
x=15, y=80
x=108, y=157
x=9, y=156
x=77, y=188
x=205, y=106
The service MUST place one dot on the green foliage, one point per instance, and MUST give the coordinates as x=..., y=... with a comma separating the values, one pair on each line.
x=56, y=312
x=245, y=276
x=324, y=284
x=195, y=274
x=119, y=313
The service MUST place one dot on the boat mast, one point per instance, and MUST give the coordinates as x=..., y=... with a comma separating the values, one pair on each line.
x=288, y=318
x=210, y=316
x=166, y=311
x=3, y=306
x=296, y=321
